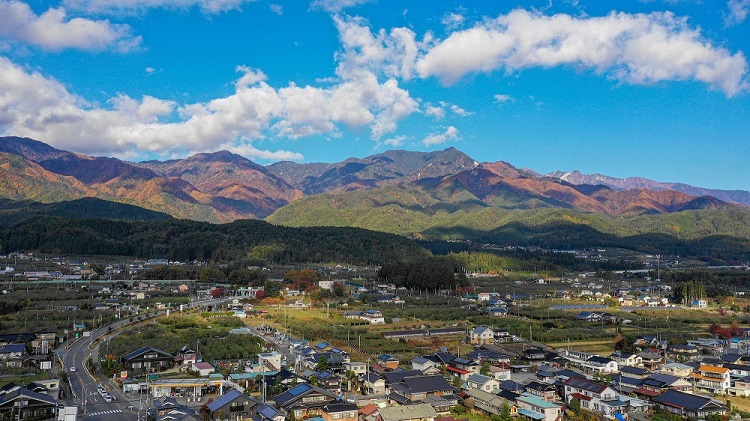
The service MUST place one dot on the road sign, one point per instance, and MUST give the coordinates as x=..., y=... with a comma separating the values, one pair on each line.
x=124, y=375
x=153, y=376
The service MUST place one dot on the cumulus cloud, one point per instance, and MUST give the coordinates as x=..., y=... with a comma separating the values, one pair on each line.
x=277, y=8
x=40, y=107
x=246, y=149
x=139, y=6
x=632, y=48
x=436, y=112
x=392, y=54
x=251, y=76
x=738, y=11
x=503, y=98
x=438, y=138
x=53, y=30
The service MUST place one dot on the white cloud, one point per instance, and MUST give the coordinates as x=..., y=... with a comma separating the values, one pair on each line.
x=246, y=149
x=395, y=141
x=336, y=6
x=42, y=108
x=632, y=48
x=251, y=76
x=738, y=11
x=504, y=98
x=436, y=112
x=277, y=8
x=460, y=111
x=451, y=133
x=391, y=54
x=452, y=20
x=52, y=30
x=139, y=6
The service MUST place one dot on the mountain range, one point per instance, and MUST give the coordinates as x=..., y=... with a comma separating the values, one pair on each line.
x=411, y=193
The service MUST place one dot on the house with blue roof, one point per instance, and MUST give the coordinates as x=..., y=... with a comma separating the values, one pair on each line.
x=535, y=408
x=232, y=405
x=303, y=400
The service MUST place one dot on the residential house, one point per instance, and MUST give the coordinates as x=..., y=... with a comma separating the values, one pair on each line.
x=358, y=368
x=688, y=405
x=600, y=364
x=535, y=408
x=491, y=403
x=303, y=400
x=168, y=409
x=203, y=368
x=478, y=381
x=587, y=316
x=683, y=352
x=651, y=360
x=340, y=411
x=628, y=359
x=12, y=355
x=482, y=335
x=388, y=362
x=418, y=388
x=634, y=372
x=500, y=372
x=17, y=401
x=373, y=384
x=659, y=383
x=677, y=369
x=545, y=391
x=424, y=365
x=148, y=359
x=373, y=316
x=186, y=356
x=713, y=379
x=233, y=405
x=589, y=393
x=418, y=412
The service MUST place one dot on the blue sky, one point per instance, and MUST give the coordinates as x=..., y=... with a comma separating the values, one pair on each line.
x=658, y=89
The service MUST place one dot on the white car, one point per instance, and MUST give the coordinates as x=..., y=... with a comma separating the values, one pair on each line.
x=72, y=369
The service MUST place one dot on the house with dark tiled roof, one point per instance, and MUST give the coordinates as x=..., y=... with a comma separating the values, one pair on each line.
x=545, y=391
x=168, y=409
x=340, y=411
x=148, y=359
x=32, y=405
x=12, y=355
x=303, y=400
x=589, y=393
x=688, y=405
x=634, y=372
x=417, y=388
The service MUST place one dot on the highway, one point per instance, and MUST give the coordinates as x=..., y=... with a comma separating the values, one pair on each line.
x=91, y=404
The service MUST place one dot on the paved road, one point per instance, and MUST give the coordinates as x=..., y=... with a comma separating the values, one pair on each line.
x=83, y=384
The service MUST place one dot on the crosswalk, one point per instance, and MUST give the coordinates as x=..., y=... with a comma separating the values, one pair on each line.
x=111, y=411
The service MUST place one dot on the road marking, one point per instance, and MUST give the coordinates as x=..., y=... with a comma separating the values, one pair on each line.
x=111, y=411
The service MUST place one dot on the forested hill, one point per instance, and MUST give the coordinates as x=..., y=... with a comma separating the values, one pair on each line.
x=182, y=240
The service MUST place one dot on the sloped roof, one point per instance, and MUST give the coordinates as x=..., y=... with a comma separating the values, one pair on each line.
x=407, y=412
x=146, y=349
x=229, y=397
x=688, y=401
x=298, y=391
x=585, y=385
x=425, y=384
